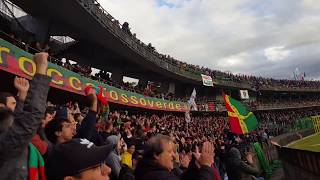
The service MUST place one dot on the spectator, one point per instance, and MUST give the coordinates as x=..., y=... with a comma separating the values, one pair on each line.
x=237, y=169
x=157, y=162
x=126, y=157
x=40, y=140
x=63, y=127
x=15, y=149
x=127, y=173
x=78, y=159
x=114, y=159
x=7, y=100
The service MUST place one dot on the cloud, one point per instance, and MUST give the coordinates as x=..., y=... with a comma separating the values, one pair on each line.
x=246, y=33
x=276, y=53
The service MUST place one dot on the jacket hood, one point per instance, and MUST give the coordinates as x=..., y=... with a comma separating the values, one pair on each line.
x=234, y=153
x=234, y=156
x=113, y=139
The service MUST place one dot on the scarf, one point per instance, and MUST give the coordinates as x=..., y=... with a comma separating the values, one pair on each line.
x=36, y=164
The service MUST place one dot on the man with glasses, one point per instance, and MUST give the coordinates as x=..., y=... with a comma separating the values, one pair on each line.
x=63, y=127
x=78, y=159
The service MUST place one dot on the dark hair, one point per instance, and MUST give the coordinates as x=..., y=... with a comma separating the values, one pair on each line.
x=107, y=125
x=3, y=97
x=154, y=145
x=50, y=110
x=5, y=114
x=54, y=126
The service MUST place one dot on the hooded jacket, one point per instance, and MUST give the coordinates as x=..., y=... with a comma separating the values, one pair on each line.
x=27, y=118
x=237, y=169
x=114, y=160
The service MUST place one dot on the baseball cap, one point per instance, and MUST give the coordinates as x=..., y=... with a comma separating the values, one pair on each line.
x=71, y=157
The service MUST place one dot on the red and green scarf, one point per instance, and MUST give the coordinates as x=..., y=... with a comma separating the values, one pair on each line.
x=36, y=164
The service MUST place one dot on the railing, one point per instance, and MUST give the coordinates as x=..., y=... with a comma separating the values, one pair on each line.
x=298, y=164
x=286, y=106
x=93, y=7
x=306, y=160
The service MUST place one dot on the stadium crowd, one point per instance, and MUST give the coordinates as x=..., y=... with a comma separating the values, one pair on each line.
x=39, y=140
x=151, y=89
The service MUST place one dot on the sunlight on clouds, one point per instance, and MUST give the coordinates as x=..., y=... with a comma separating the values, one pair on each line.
x=204, y=32
x=276, y=53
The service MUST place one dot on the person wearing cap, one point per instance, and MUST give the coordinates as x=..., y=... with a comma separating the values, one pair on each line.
x=78, y=159
x=17, y=129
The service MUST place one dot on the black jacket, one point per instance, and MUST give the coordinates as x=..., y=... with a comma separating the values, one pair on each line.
x=148, y=169
x=237, y=169
x=126, y=173
x=27, y=117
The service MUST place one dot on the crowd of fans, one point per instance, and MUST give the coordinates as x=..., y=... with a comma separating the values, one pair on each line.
x=39, y=140
x=151, y=90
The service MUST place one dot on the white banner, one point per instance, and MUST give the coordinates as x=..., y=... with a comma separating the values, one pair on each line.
x=206, y=80
x=192, y=100
x=244, y=94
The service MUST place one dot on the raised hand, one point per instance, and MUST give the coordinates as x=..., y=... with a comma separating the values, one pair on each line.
x=41, y=60
x=92, y=95
x=207, y=154
x=22, y=85
x=184, y=160
x=92, y=92
x=197, y=153
x=249, y=158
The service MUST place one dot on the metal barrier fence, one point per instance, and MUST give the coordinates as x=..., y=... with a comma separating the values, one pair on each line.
x=297, y=164
x=306, y=160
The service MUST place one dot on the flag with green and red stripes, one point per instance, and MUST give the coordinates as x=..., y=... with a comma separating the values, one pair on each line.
x=240, y=119
x=36, y=164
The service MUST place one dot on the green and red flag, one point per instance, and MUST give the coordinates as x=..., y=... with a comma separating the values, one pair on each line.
x=36, y=164
x=240, y=119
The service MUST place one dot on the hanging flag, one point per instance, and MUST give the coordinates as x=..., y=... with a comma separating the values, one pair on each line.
x=206, y=80
x=192, y=100
x=240, y=119
x=244, y=94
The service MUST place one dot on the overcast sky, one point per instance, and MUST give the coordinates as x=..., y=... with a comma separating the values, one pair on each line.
x=270, y=38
